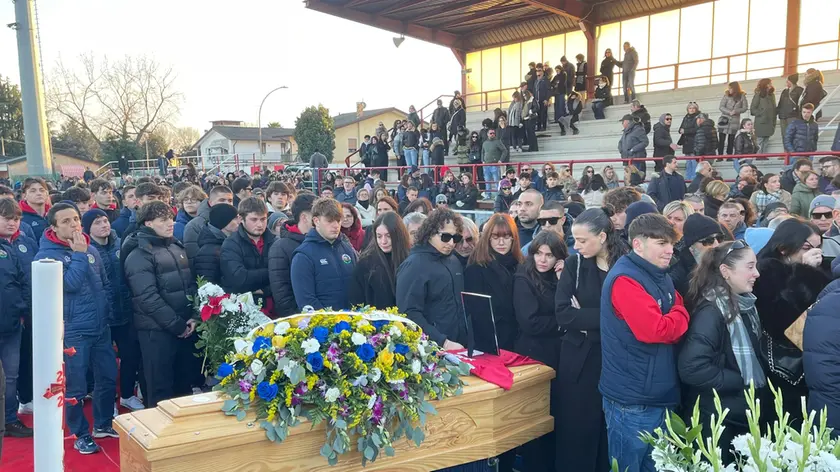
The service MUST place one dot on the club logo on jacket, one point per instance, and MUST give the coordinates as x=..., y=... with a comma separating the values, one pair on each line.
x=34, y=223
x=91, y=259
x=324, y=262
x=346, y=259
x=67, y=259
x=3, y=254
x=118, y=253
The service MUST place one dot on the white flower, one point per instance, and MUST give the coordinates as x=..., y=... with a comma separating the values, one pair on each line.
x=375, y=374
x=282, y=327
x=287, y=369
x=210, y=290
x=395, y=332
x=421, y=348
x=363, y=323
x=243, y=346
x=371, y=402
x=416, y=366
x=257, y=367
x=310, y=345
x=230, y=305
x=332, y=394
x=358, y=339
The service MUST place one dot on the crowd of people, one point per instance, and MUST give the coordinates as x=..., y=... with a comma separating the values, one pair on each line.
x=643, y=298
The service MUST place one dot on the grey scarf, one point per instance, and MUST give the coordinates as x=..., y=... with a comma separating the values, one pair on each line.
x=739, y=333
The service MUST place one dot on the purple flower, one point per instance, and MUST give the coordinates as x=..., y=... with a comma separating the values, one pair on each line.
x=244, y=386
x=281, y=353
x=333, y=353
x=295, y=400
x=303, y=323
x=301, y=389
x=377, y=411
x=376, y=339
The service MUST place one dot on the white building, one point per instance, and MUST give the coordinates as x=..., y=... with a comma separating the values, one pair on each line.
x=227, y=140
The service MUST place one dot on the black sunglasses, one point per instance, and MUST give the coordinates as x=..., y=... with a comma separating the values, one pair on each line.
x=821, y=216
x=552, y=220
x=737, y=246
x=708, y=241
x=446, y=237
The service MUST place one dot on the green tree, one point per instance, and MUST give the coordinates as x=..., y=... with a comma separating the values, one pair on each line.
x=114, y=146
x=315, y=132
x=72, y=139
x=11, y=118
x=275, y=124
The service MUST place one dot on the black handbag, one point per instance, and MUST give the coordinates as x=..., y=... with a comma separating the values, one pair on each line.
x=723, y=121
x=783, y=359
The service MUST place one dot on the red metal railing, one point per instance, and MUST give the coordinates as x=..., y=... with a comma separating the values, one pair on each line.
x=476, y=170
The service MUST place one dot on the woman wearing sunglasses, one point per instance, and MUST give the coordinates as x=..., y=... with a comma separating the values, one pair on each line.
x=430, y=281
x=792, y=277
x=469, y=238
x=720, y=351
x=580, y=430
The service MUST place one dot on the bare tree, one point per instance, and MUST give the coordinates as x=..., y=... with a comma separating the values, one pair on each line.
x=128, y=98
x=181, y=139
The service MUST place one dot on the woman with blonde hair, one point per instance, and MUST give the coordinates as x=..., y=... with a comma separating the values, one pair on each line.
x=610, y=178
x=733, y=103
x=469, y=238
x=814, y=92
x=677, y=212
x=188, y=201
x=716, y=192
x=490, y=271
x=568, y=182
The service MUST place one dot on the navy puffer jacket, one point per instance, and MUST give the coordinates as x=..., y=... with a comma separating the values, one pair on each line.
x=321, y=271
x=801, y=136
x=121, y=305
x=821, y=343
x=87, y=291
x=14, y=290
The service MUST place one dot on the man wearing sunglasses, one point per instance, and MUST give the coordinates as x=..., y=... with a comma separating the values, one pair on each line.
x=822, y=212
x=700, y=233
x=642, y=321
x=552, y=217
x=431, y=279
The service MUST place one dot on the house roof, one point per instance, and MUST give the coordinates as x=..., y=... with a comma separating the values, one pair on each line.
x=469, y=25
x=12, y=160
x=346, y=119
x=244, y=133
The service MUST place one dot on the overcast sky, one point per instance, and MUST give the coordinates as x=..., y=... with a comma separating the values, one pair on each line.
x=228, y=55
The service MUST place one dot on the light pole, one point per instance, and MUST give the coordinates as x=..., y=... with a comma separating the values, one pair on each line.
x=259, y=117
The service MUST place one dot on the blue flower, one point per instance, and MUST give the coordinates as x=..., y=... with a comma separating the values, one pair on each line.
x=401, y=349
x=267, y=391
x=260, y=343
x=224, y=370
x=378, y=324
x=316, y=361
x=320, y=333
x=365, y=352
x=341, y=326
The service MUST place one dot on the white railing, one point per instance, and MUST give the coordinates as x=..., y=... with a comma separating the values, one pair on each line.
x=215, y=163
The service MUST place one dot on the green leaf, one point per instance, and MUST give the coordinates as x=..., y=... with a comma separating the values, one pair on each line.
x=369, y=453
x=240, y=415
x=389, y=451
x=338, y=444
x=677, y=424
x=281, y=431
x=419, y=436
x=340, y=424
x=228, y=405
x=376, y=439
x=270, y=434
x=326, y=450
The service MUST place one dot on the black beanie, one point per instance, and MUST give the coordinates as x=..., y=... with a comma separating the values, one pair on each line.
x=221, y=214
x=89, y=217
x=698, y=226
x=637, y=209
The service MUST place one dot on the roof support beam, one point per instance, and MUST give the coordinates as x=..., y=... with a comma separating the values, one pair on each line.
x=572, y=9
x=398, y=7
x=447, y=10
x=491, y=16
x=522, y=19
x=431, y=35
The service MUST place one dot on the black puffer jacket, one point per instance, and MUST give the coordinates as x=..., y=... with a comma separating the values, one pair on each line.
x=279, y=269
x=706, y=139
x=159, y=276
x=539, y=335
x=372, y=284
x=689, y=131
x=14, y=291
x=243, y=268
x=206, y=261
x=429, y=286
x=706, y=362
x=496, y=280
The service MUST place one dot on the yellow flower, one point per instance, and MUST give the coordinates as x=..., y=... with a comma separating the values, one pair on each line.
x=279, y=342
x=275, y=376
x=311, y=380
x=367, y=330
x=289, y=392
x=252, y=393
x=327, y=364
x=267, y=331
x=400, y=358
x=385, y=360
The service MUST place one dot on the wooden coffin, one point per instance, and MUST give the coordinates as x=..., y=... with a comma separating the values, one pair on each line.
x=193, y=434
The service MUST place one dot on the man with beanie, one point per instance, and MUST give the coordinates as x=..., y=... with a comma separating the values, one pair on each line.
x=274, y=221
x=159, y=277
x=244, y=255
x=220, y=194
x=97, y=225
x=87, y=307
x=292, y=234
x=638, y=209
x=821, y=211
x=643, y=319
x=700, y=233
x=771, y=211
x=224, y=221
x=788, y=106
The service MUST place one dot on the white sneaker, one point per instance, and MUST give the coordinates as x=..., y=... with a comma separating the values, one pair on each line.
x=132, y=403
x=25, y=408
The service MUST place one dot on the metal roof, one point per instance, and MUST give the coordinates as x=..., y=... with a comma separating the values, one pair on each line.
x=467, y=25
